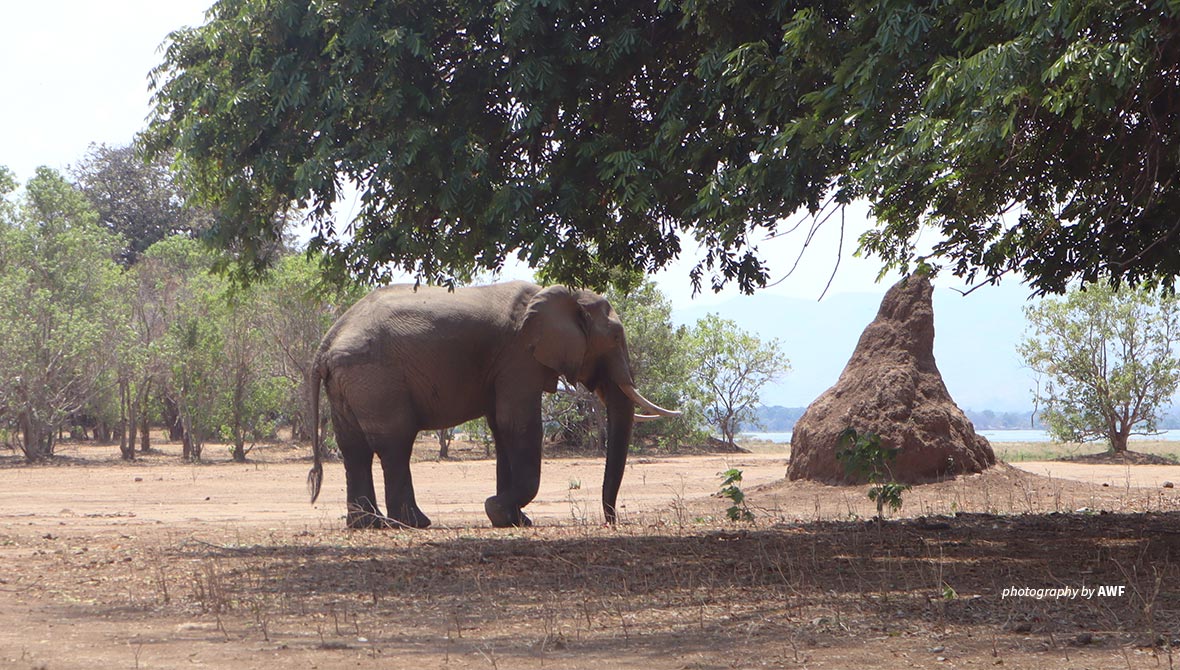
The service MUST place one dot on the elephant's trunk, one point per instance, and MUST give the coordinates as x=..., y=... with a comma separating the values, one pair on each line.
x=620, y=417
x=617, y=391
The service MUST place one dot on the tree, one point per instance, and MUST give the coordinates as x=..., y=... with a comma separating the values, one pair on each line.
x=574, y=417
x=143, y=363
x=1109, y=360
x=601, y=135
x=191, y=355
x=8, y=208
x=58, y=289
x=133, y=371
x=730, y=366
x=251, y=390
x=1035, y=138
x=231, y=361
x=135, y=198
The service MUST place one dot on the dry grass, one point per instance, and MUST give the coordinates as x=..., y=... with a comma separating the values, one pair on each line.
x=1015, y=452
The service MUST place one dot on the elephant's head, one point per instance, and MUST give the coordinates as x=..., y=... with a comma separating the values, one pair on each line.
x=578, y=335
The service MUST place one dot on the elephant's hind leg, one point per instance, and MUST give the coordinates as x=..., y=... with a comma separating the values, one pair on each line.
x=358, y=471
x=361, y=496
x=399, y=484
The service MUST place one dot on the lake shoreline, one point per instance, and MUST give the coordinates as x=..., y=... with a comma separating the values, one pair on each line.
x=994, y=436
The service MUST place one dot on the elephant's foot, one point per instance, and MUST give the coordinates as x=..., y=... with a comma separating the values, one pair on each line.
x=376, y=522
x=410, y=517
x=505, y=516
x=367, y=520
x=364, y=520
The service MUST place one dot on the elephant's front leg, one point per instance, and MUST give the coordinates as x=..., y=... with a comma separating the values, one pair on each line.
x=518, y=465
x=503, y=465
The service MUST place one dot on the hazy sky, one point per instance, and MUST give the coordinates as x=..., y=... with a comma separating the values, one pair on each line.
x=75, y=72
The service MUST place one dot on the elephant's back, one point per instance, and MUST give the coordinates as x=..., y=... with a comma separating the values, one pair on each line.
x=405, y=321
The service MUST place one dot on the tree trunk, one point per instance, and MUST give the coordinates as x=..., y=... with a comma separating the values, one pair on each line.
x=728, y=425
x=129, y=421
x=145, y=444
x=172, y=420
x=1118, y=441
x=444, y=444
x=600, y=424
x=129, y=437
x=123, y=411
x=239, y=448
x=301, y=428
x=145, y=439
x=190, y=447
x=38, y=440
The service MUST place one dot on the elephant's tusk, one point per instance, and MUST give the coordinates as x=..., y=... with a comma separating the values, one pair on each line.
x=638, y=399
x=640, y=418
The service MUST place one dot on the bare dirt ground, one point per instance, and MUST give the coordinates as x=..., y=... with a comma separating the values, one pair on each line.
x=160, y=564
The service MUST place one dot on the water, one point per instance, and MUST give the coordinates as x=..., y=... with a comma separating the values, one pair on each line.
x=1015, y=435
x=1018, y=435
x=784, y=438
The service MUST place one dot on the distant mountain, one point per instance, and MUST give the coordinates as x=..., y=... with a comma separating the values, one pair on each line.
x=991, y=420
x=776, y=419
x=975, y=341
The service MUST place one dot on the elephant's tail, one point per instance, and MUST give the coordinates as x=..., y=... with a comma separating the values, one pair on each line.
x=315, y=478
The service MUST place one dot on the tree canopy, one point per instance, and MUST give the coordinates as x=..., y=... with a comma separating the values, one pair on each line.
x=135, y=199
x=1030, y=136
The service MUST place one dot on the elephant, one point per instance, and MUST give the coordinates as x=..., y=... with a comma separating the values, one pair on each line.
x=405, y=359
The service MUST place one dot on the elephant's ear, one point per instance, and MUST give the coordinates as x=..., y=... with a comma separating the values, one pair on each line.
x=555, y=330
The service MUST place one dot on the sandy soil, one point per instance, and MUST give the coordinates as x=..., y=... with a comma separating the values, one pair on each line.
x=264, y=494
x=160, y=564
